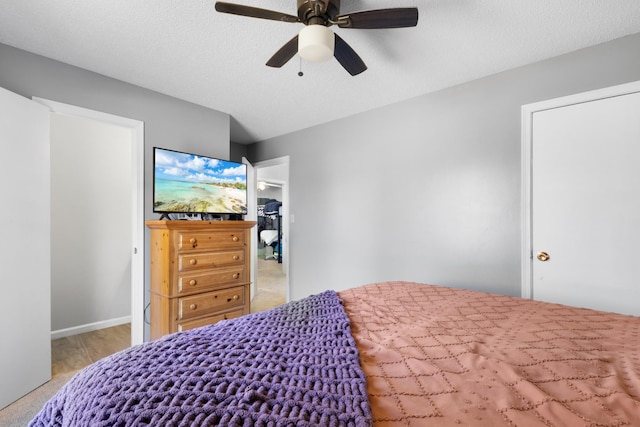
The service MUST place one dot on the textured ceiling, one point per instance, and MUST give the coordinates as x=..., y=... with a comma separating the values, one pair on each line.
x=184, y=48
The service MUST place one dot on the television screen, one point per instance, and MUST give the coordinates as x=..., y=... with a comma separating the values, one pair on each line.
x=188, y=183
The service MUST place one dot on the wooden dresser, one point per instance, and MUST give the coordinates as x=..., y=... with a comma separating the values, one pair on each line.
x=200, y=273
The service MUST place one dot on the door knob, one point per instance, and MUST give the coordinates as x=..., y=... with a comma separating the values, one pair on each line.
x=543, y=256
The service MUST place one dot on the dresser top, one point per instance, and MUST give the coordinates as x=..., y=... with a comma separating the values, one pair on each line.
x=197, y=225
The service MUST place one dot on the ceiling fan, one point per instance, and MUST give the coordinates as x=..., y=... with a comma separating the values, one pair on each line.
x=316, y=42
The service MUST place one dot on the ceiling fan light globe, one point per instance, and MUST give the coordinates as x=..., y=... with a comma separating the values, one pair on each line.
x=316, y=43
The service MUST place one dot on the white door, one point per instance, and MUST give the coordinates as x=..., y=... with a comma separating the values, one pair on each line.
x=25, y=340
x=585, y=205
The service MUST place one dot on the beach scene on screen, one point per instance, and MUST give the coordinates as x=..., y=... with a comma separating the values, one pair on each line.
x=190, y=183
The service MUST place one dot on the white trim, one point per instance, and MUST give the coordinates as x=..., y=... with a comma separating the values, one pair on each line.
x=137, y=233
x=526, y=157
x=137, y=255
x=252, y=215
x=526, y=251
x=90, y=327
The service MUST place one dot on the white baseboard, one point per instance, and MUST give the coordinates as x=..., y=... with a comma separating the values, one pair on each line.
x=61, y=333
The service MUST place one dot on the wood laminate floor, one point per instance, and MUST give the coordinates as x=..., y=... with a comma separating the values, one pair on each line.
x=72, y=353
x=271, y=284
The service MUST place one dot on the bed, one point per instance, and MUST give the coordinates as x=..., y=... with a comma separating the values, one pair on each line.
x=386, y=354
x=268, y=236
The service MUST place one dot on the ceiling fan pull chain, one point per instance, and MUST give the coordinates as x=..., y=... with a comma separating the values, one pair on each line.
x=300, y=73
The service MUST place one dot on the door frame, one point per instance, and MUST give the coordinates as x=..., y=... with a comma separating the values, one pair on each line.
x=527, y=112
x=137, y=214
x=252, y=215
x=286, y=257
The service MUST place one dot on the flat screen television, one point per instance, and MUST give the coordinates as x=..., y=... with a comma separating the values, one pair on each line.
x=186, y=183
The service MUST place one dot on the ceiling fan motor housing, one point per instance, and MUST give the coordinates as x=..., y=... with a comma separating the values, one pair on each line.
x=318, y=11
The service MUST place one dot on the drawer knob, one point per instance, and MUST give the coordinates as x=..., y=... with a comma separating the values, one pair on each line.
x=236, y=297
x=236, y=257
x=193, y=261
x=193, y=306
x=193, y=240
x=235, y=238
x=236, y=275
x=193, y=282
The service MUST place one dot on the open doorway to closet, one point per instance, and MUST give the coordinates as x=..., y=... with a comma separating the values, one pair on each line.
x=97, y=164
x=272, y=194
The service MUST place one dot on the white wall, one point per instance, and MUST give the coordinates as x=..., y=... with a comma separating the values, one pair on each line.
x=91, y=209
x=427, y=189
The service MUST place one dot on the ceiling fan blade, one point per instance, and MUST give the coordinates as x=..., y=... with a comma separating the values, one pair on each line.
x=400, y=17
x=347, y=57
x=254, y=12
x=285, y=53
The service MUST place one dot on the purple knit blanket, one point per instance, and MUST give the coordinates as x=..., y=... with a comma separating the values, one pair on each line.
x=295, y=365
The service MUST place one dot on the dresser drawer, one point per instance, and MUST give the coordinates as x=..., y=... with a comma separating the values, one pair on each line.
x=191, y=240
x=199, y=260
x=209, y=320
x=200, y=282
x=210, y=302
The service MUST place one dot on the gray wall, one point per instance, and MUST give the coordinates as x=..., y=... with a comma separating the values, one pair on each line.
x=169, y=122
x=237, y=151
x=427, y=189
x=270, y=193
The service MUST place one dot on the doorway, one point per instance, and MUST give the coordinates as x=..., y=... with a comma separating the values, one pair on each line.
x=271, y=258
x=129, y=270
